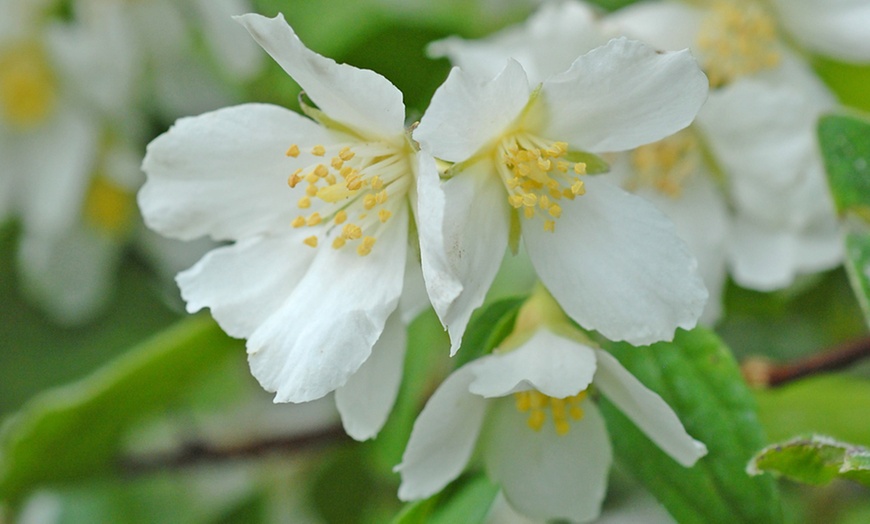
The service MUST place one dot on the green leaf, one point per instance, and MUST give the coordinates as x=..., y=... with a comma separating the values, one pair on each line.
x=858, y=267
x=814, y=460
x=845, y=143
x=825, y=404
x=849, y=81
x=466, y=501
x=487, y=328
x=75, y=431
x=697, y=376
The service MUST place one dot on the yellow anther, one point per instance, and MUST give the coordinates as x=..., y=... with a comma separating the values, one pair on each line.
x=310, y=241
x=318, y=150
x=381, y=196
x=304, y=202
x=537, y=419
x=545, y=165
x=314, y=219
x=369, y=201
x=312, y=177
x=293, y=151
x=340, y=217
x=346, y=154
x=529, y=212
x=354, y=182
x=580, y=168
x=351, y=231
x=321, y=170
x=311, y=190
x=365, y=246
x=384, y=215
x=544, y=202
x=530, y=199
x=28, y=89
x=516, y=201
x=563, y=166
x=298, y=221
x=294, y=178
x=555, y=210
x=376, y=183
x=346, y=171
x=562, y=427
x=338, y=243
x=330, y=179
x=562, y=410
x=336, y=163
x=549, y=226
x=578, y=188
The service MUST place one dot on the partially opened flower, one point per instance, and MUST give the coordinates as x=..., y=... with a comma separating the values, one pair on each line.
x=527, y=408
x=759, y=122
x=319, y=215
x=612, y=261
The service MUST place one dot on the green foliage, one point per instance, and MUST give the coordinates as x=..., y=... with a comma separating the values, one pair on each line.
x=697, y=376
x=814, y=460
x=75, y=431
x=487, y=328
x=466, y=501
x=845, y=143
x=849, y=81
x=824, y=404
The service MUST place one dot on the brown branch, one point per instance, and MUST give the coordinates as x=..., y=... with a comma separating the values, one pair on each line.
x=761, y=372
x=199, y=452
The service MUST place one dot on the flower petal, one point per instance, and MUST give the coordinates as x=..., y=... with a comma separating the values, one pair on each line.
x=245, y=283
x=837, y=27
x=544, y=475
x=666, y=26
x=623, y=95
x=326, y=328
x=367, y=398
x=546, y=44
x=647, y=410
x=475, y=236
x=615, y=264
x=467, y=112
x=224, y=173
x=554, y=365
x=358, y=98
x=766, y=258
x=443, y=438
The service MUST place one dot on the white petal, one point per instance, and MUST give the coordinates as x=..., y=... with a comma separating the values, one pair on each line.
x=667, y=26
x=54, y=185
x=414, y=298
x=476, y=227
x=555, y=366
x=430, y=206
x=467, y=112
x=443, y=438
x=766, y=258
x=70, y=272
x=647, y=410
x=358, y=98
x=230, y=44
x=623, y=95
x=224, y=173
x=326, y=328
x=244, y=284
x=367, y=398
x=836, y=27
x=616, y=265
x=544, y=475
x=546, y=44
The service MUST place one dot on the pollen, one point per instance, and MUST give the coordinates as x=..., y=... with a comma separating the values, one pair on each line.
x=667, y=165
x=358, y=180
x=562, y=410
x=736, y=39
x=28, y=88
x=535, y=172
x=311, y=241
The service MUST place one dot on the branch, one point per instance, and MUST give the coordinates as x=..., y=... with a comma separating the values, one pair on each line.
x=763, y=373
x=199, y=452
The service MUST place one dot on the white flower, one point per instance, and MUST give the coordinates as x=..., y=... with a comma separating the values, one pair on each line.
x=540, y=436
x=759, y=124
x=314, y=277
x=612, y=261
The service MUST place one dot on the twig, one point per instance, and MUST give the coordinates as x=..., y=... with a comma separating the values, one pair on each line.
x=198, y=452
x=760, y=372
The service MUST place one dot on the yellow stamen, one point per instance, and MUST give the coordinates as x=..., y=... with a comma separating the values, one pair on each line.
x=562, y=410
x=28, y=89
x=318, y=150
x=311, y=241
x=293, y=151
x=108, y=206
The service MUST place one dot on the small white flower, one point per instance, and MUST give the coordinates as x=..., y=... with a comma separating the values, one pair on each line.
x=314, y=277
x=612, y=261
x=540, y=436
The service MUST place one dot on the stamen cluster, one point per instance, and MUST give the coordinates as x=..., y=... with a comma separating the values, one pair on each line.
x=562, y=410
x=666, y=165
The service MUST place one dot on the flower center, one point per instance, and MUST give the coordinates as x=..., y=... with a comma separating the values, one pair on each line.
x=737, y=38
x=28, y=90
x=562, y=410
x=108, y=206
x=537, y=175
x=666, y=165
x=358, y=185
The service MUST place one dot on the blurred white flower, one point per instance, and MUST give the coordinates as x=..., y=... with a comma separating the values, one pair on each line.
x=541, y=438
x=612, y=261
x=314, y=277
